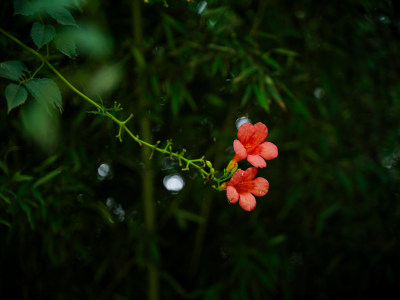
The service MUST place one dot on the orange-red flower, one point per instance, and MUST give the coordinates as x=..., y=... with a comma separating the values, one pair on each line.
x=243, y=186
x=251, y=145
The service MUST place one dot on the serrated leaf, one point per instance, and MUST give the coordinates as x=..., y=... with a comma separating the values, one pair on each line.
x=16, y=95
x=24, y=7
x=42, y=34
x=61, y=15
x=55, y=8
x=65, y=43
x=46, y=92
x=12, y=69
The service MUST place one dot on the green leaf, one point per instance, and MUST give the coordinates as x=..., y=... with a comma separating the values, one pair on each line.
x=42, y=34
x=279, y=239
x=28, y=212
x=62, y=16
x=272, y=62
x=18, y=177
x=4, y=222
x=246, y=96
x=285, y=51
x=245, y=73
x=3, y=166
x=24, y=7
x=261, y=97
x=215, y=100
x=12, y=69
x=15, y=95
x=46, y=92
x=66, y=44
x=274, y=92
x=5, y=198
x=189, y=99
x=47, y=177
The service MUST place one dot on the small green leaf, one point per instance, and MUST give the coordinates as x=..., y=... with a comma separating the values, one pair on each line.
x=15, y=95
x=47, y=177
x=12, y=69
x=272, y=62
x=18, y=177
x=189, y=99
x=261, y=97
x=245, y=73
x=279, y=239
x=215, y=100
x=4, y=222
x=5, y=198
x=42, y=34
x=61, y=15
x=274, y=92
x=285, y=51
x=46, y=92
x=3, y=166
x=65, y=42
x=246, y=96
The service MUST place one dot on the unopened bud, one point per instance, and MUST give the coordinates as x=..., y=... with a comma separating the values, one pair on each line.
x=232, y=165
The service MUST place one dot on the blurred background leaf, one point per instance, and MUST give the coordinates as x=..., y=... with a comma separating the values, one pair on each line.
x=322, y=76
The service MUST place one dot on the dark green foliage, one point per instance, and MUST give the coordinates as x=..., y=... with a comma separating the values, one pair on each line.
x=323, y=76
x=42, y=34
x=15, y=95
x=12, y=69
x=45, y=91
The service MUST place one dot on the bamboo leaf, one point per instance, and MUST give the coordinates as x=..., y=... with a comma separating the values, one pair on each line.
x=274, y=92
x=261, y=98
x=47, y=177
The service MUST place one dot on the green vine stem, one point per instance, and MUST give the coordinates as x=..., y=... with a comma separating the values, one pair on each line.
x=200, y=164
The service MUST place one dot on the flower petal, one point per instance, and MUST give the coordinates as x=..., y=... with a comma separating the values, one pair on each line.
x=261, y=186
x=247, y=201
x=267, y=150
x=240, y=150
x=245, y=132
x=260, y=134
x=232, y=194
x=249, y=174
x=257, y=161
x=237, y=177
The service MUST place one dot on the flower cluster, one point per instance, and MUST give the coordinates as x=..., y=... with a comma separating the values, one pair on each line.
x=250, y=145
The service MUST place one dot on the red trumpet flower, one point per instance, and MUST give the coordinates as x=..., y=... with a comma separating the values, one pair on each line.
x=243, y=186
x=251, y=145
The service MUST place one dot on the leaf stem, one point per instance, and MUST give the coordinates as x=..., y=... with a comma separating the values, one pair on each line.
x=195, y=163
